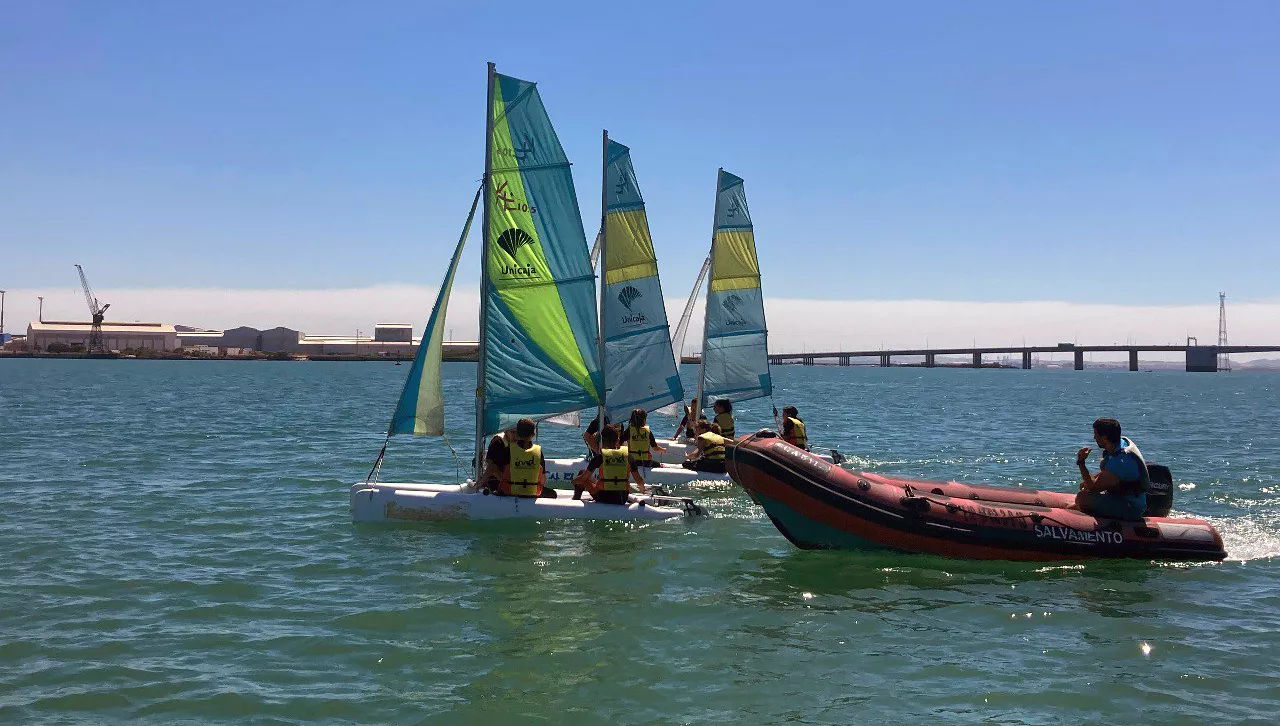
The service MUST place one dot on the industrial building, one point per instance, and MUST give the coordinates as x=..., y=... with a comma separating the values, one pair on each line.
x=389, y=339
x=394, y=340
x=115, y=336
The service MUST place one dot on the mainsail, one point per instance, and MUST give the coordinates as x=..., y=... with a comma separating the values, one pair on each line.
x=640, y=371
x=539, y=319
x=420, y=409
x=735, y=356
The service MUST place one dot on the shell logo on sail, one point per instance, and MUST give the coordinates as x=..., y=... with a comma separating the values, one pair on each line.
x=513, y=239
x=732, y=303
x=628, y=295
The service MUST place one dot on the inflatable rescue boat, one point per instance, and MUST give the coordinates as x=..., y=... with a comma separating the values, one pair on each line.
x=819, y=506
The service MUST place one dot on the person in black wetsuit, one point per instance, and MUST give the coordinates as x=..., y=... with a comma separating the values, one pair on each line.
x=591, y=437
x=688, y=425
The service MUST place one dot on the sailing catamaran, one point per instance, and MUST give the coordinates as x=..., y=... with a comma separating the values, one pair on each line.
x=538, y=326
x=640, y=368
x=735, y=354
x=735, y=351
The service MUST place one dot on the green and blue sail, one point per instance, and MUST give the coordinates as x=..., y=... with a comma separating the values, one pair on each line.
x=735, y=353
x=640, y=368
x=540, y=323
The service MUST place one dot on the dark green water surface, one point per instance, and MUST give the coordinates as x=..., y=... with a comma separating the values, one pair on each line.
x=175, y=547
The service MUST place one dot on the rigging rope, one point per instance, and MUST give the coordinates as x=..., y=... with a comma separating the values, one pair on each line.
x=372, y=478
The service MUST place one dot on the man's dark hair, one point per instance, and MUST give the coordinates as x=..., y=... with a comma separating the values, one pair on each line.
x=609, y=437
x=1107, y=428
x=790, y=412
x=525, y=428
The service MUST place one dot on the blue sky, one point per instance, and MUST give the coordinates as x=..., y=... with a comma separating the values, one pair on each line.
x=990, y=151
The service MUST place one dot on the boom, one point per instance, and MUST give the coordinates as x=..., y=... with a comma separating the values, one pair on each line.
x=88, y=293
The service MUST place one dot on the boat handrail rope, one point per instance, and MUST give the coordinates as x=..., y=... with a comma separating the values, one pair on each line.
x=1035, y=517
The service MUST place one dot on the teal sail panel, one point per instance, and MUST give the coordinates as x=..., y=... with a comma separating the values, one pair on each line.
x=420, y=410
x=735, y=351
x=540, y=322
x=640, y=370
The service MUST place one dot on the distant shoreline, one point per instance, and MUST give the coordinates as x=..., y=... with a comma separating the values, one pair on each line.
x=272, y=357
x=454, y=357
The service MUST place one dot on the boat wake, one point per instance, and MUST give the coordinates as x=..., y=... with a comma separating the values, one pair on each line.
x=1251, y=537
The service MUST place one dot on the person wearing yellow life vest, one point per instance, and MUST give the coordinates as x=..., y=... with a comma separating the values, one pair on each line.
x=724, y=418
x=640, y=442
x=793, y=428
x=709, y=456
x=613, y=472
x=526, y=471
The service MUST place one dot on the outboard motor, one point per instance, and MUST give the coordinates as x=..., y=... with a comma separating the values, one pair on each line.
x=1160, y=491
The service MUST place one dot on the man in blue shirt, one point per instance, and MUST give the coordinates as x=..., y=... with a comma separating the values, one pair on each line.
x=1119, y=489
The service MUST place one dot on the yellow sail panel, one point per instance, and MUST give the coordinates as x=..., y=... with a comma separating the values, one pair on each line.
x=734, y=262
x=631, y=254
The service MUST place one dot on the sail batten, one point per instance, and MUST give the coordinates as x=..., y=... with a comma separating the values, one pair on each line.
x=735, y=356
x=640, y=369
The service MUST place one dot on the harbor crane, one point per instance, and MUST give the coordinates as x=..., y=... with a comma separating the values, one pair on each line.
x=97, y=311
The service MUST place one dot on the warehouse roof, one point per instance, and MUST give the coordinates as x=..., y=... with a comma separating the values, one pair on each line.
x=70, y=326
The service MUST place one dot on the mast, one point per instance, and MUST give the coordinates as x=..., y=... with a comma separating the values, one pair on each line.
x=711, y=259
x=603, y=238
x=484, y=275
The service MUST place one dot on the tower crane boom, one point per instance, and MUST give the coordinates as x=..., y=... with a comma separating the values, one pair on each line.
x=97, y=312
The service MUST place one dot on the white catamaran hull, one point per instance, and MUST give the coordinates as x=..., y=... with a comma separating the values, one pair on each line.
x=413, y=502
x=676, y=451
x=561, y=471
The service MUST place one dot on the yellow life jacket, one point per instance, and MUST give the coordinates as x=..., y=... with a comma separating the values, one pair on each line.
x=638, y=443
x=725, y=421
x=712, y=445
x=797, y=437
x=526, y=469
x=615, y=470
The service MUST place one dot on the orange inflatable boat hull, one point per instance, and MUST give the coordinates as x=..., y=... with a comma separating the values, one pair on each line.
x=817, y=505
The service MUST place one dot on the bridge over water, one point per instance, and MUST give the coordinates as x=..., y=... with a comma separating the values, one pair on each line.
x=1199, y=357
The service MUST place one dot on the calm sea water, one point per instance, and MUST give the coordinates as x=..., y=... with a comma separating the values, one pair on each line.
x=177, y=548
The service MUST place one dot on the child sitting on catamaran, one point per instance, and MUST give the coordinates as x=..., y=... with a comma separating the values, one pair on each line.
x=614, y=472
x=640, y=441
x=525, y=475
x=709, y=456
